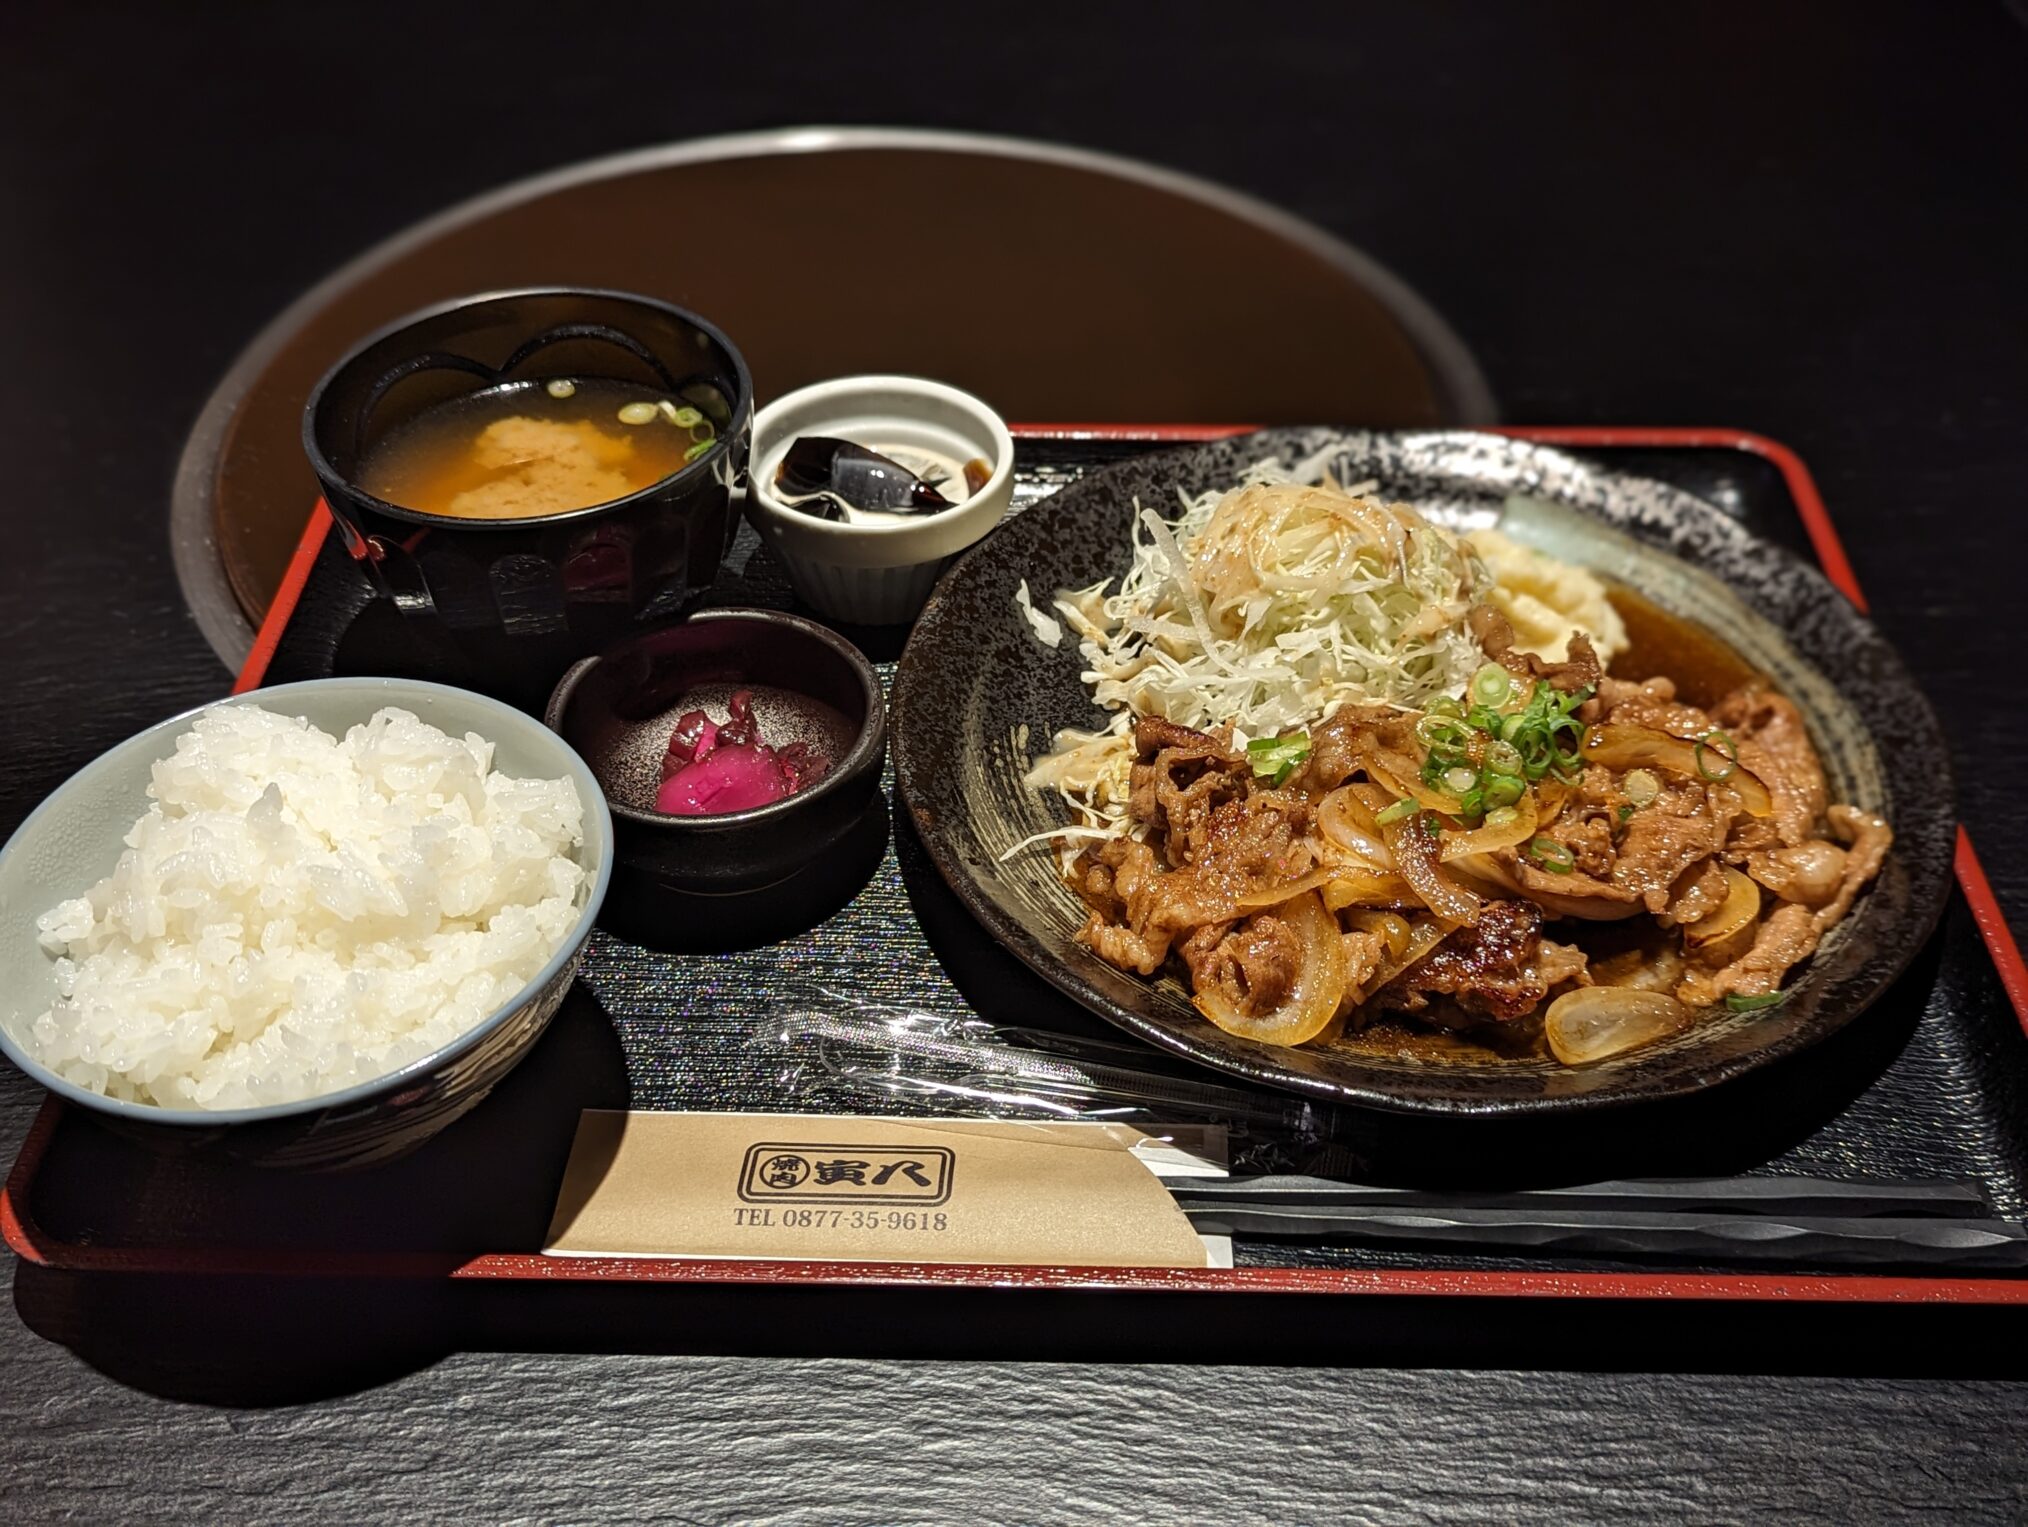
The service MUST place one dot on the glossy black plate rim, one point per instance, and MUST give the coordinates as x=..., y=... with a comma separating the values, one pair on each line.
x=1918, y=732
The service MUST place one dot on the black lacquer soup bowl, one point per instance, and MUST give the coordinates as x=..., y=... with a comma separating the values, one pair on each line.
x=561, y=582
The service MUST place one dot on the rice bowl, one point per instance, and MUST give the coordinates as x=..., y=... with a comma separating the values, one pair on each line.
x=407, y=1062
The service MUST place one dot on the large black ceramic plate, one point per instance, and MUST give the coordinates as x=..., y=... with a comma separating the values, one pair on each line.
x=976, y=696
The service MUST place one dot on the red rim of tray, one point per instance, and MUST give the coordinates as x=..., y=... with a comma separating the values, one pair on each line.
x=26, y=1237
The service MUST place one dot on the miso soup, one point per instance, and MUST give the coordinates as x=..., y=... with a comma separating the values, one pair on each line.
x=535, y=448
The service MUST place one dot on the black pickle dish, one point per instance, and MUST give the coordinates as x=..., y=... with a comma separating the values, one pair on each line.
x=808, y=685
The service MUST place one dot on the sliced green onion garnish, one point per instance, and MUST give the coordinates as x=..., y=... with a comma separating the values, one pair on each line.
x=1541, y=737
x=1552, y=856
x=1275, y=758
x=1449, y=732
x=1492, y=685
x=698, y=449
x=1503, y=790
x=1726, y=749
x=1388, y=815
x=1485, y=719
x=1502, y=816
x=1268, y=747
x=1741, y=1004
x=1444, y=705
x=1459, y=780
x=684, y=415
x=1625, y=812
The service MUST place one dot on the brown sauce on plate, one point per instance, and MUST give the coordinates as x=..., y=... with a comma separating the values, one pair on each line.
x=1393, y=1037
x=1704, y=667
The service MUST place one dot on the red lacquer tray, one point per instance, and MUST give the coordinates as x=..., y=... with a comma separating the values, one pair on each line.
x=66, y=1159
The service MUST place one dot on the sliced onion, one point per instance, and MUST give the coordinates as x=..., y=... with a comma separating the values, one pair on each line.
x=1347, y=822
x=1740, y=907
x=1517, y=828
x=1275, y=895
x=1374, y=798
x=1423, y=937
x=1319, y=988
x=1405, y=780
x=1415, y=857
x=1553, y=794
x=1632, y=747
x=1497, y=880
x=1391, y=926
x=1361, y=888
x=1593, y=1023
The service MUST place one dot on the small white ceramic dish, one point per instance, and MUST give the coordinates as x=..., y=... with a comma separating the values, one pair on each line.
x=877, y=574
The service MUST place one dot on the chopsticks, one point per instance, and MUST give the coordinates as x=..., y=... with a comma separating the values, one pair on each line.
x=866, y=1051
x=1785, y=1219
x=1761, y=1195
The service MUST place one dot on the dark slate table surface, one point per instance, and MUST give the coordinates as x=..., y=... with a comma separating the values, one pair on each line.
x=1806, y=219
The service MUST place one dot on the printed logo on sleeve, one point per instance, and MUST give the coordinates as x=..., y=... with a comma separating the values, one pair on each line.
x=792, y=1172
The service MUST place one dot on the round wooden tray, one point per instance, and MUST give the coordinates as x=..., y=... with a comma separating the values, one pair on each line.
x=1056, y=283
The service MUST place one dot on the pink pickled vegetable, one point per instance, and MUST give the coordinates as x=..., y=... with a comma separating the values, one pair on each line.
x=710, y=769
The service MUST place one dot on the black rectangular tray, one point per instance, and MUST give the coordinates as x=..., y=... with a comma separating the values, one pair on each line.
x=1928, y=1084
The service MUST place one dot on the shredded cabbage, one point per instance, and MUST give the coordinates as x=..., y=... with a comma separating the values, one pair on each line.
x=1048, y=630
x=1265, y=607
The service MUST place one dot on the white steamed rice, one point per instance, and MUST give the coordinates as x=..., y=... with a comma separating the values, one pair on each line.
x=296, y=914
